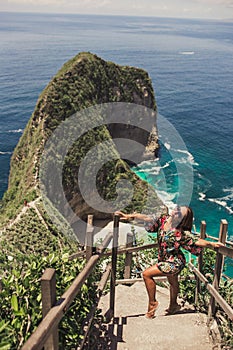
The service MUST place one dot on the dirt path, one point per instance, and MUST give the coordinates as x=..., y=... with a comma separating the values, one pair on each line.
x=29, y=205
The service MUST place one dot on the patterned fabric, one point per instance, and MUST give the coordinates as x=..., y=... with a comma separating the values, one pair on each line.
x=171, y=259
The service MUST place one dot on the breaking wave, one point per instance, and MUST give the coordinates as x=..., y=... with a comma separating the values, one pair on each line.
x=189, y=157
x=15, y=131
x=5, y=152
x=187, y=52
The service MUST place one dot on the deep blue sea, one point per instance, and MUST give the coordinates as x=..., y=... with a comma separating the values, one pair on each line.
x=191, y=67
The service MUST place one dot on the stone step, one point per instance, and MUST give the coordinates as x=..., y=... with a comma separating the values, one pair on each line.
x=131, y=330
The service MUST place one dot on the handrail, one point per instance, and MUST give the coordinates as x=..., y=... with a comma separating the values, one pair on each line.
x=119, y=251
x=54, y=316
x=90, y=316
x=105, y=242
x=216, y=239
x=225, y=306
x=50, y=322
x=226, y=251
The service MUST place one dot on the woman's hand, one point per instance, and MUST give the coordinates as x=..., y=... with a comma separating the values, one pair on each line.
x=217, y=244
x=208, y=244
x=123, y=216
x=134, y=216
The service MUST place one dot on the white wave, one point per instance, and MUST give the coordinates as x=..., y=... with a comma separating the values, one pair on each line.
x=153, y=171
x=217, y=201
x=154, y=168
x=189, y=158
x=183, y=160
x=229, y=209
x=167, y=145
x=224, y=201
x=166, y=165
x=230, y=189
x=187, y=52
x=221, y=203
x=202, y=196
x=16, y=131
x=229, y=196
x=202, y=183
x=147, y=162
x=167, y=198
x=5, y=152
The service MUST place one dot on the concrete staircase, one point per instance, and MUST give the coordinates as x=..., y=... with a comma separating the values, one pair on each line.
x=131, y=330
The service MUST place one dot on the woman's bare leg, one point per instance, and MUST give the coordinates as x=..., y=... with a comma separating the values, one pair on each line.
x=148, y=275
x=174, y=290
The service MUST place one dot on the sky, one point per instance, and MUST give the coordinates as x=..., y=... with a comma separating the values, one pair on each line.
x=213, y=9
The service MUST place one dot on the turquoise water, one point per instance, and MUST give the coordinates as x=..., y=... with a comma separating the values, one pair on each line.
x=191, y=67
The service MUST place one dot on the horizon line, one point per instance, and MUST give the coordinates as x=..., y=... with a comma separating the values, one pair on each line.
x=117, y=15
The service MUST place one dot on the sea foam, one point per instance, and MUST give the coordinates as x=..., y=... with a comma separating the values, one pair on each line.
x=189, y=158
x=5, y=152
x=221, y=203
x=186, y=52
x=15, y=131
x=202, y=196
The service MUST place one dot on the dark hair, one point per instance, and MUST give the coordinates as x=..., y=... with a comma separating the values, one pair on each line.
x=187, y=221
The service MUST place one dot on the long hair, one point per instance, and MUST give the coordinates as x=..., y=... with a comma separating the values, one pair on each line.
x=186, y=223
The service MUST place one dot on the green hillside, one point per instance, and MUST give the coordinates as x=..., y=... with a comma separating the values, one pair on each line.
x=84, y=81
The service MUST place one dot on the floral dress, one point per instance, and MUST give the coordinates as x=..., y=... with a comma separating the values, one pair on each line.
x=171, y=259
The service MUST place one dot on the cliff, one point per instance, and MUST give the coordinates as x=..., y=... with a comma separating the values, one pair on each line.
x=83, y=82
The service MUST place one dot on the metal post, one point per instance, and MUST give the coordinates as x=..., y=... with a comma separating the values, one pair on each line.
x=48, y=290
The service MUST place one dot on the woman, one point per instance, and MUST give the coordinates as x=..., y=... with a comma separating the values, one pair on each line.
x=174, y=232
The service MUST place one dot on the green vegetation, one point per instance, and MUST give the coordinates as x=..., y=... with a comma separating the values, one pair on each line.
x=20, y=309
x=26, y=250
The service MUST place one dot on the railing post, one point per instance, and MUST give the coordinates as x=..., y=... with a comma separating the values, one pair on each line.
x=128, y=256
x=114, y=264
x=218, y=267
x=89, y=237
x=200, y=261
x=48, y=290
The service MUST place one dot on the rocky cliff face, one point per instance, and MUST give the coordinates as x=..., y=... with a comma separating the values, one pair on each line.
x=84, y=81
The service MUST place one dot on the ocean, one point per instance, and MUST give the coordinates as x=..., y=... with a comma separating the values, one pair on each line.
x=191, y=67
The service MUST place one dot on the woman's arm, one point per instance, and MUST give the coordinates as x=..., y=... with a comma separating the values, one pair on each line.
x=207, y=244
x=134, y=215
